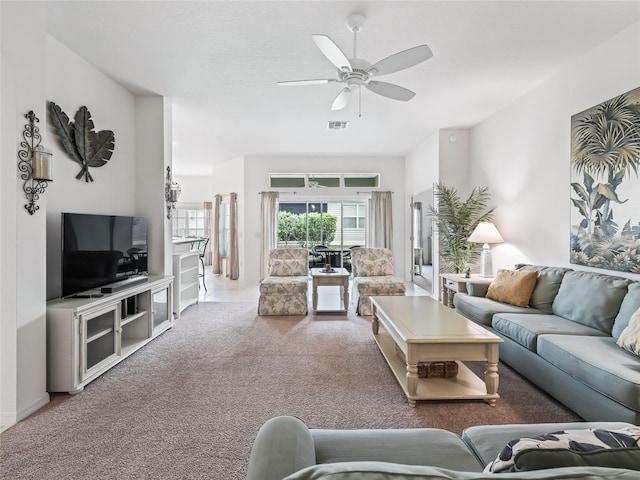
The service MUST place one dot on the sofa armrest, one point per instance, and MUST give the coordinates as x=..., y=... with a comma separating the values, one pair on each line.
x=283, y=446
x=477, y=289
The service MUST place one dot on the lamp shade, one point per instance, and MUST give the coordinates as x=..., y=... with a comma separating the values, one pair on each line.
x=485, y=232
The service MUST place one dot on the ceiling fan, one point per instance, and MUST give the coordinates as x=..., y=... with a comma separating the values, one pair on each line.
x=356, y=72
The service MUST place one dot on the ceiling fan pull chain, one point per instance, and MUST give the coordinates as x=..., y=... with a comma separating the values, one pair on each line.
x=359, y=102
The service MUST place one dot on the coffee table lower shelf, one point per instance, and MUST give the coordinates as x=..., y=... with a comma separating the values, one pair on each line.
x=466, y=385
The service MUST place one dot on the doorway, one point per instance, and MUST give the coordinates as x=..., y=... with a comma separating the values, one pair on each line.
x=421, y=241
x=328, y=228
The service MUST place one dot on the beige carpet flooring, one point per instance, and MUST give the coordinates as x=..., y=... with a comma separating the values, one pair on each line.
x=189, y=404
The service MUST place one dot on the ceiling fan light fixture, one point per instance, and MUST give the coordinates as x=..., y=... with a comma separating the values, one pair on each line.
x=337, y=125
x=356, y=72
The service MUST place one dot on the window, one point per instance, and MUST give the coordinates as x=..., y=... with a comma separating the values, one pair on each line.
x=324, y=180
x=285, y=180
x=188, y=220
x=362, y=180
x=353, y=215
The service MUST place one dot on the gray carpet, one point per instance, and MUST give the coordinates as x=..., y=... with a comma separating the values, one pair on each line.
x=188, y=405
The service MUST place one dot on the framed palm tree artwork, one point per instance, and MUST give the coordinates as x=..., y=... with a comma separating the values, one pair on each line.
x=605, y=185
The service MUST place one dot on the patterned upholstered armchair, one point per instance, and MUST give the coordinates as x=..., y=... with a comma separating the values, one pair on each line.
x=284, y=290
x=372, y=270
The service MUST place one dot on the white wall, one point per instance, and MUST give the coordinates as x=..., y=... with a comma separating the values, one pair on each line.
x=440, y=158
x=72, y=83
x=256, y=179
x=195, y=189
x=522, y=153
x=422, y=165
x=153, y=132
x=8, y=250
x=38, y=69
x=26, y=55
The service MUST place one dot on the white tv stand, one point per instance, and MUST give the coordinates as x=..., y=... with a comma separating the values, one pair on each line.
x=87, y=336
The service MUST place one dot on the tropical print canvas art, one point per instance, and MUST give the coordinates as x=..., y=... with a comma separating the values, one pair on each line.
x=605, y=186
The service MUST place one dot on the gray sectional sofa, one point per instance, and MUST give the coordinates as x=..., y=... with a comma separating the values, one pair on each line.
x=565, y=341
x=285, y=448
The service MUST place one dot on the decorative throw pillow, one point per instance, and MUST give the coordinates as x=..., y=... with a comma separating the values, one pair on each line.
x=374, y=268
x=513, y=287
x=541, y=458
x=287, y=268
x=629, y=339
x=587, y=440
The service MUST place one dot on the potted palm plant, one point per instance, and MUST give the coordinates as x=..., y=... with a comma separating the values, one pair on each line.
x=455, y=219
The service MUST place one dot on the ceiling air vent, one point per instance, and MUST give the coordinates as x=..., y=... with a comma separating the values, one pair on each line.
x=337, y=125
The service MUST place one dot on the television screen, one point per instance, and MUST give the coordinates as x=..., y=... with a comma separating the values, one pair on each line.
x=101, y=249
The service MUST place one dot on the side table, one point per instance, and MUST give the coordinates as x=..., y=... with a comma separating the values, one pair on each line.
x=452, y=283
x=338, y=277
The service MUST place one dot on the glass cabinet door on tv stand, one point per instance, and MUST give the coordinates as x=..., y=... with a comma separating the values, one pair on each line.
x=98, y=339
x=161, y=307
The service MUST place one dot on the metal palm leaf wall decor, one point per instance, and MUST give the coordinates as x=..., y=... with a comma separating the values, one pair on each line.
x=85, y=146
x=605, y=164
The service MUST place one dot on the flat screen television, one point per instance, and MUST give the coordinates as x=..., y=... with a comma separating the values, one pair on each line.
x=101, y=249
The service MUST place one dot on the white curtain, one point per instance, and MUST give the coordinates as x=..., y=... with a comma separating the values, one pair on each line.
x=215, y=233
x=208, y=231
x=268, y=228
x=234, y=260
x=380, y=220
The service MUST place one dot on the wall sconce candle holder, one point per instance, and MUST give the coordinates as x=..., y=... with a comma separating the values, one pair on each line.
x=34, y=161
x=171, y=193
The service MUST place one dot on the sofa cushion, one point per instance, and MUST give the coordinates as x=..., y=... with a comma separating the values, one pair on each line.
x=597, y=362
x=580, y=440
x=629, y=339
x=481, y=309
x=279, y=267
x=592, y=299
x=630, y=304
x=396, y=471
x=411, y=446
x=384, y=285
x=513, y=287
x=547, y=286
x=525, y=328
x=284, y=285
x=487, y=440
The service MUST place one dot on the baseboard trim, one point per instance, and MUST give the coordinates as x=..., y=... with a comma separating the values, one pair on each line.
x=33, y=407
x=7, y=420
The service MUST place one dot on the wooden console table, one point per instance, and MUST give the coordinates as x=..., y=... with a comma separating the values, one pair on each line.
x=452, y=283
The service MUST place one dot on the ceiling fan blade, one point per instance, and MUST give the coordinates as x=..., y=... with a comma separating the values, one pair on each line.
x=401, y=60
x=389, y=90
x=332, y=52
x=308, y=82
x=342, y=99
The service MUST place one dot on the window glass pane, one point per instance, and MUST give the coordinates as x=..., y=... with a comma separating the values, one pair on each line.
x=350, y=210
x=368, y=180
x=349, y=222
x=324, y=181
x=286, y=181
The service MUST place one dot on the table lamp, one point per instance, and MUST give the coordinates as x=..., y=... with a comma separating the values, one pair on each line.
x=486, y=232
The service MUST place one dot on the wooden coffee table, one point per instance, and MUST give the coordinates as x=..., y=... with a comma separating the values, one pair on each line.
x=427, y=331
x=338, y=277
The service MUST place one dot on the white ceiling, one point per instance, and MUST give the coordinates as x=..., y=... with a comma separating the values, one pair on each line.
x=220, y=61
